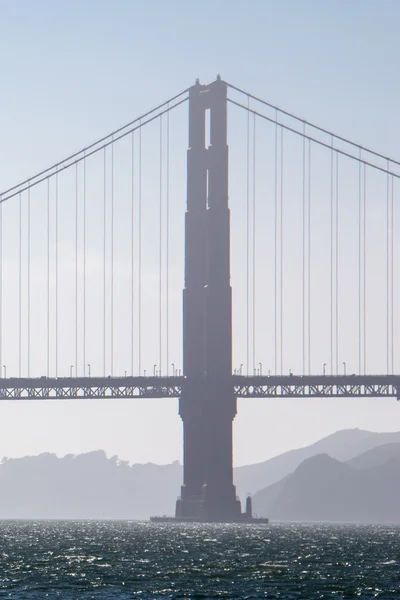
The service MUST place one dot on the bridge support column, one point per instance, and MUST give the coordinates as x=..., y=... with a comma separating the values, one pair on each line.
x=208, y=405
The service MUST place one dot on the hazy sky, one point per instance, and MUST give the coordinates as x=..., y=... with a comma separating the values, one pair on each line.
x=73, y=71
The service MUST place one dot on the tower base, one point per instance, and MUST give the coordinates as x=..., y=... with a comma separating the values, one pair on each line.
x=244, y=519
x=196, y=509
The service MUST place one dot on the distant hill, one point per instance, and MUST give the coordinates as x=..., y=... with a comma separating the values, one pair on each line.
x=343, y=445
x=365, y=489
x=94, y=486
x=86, y=486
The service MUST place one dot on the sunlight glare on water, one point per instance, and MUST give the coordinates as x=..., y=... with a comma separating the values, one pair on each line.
x=83, y=560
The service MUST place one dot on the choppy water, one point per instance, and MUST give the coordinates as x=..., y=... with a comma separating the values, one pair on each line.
x=82, y=560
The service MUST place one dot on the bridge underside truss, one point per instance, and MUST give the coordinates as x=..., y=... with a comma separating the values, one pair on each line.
x=350, y=386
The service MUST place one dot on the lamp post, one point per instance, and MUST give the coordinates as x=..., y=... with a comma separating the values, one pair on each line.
x=324, y=371
x=70, y=370
x=173, y=369
x=344, y=368
x=260, y=365
x=5, y=371
x=89, y=369
x=155, y=370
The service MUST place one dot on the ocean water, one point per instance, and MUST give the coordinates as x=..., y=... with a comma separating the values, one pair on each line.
x=110, y=560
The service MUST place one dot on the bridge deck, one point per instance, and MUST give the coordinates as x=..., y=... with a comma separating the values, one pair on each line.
x=285, y=386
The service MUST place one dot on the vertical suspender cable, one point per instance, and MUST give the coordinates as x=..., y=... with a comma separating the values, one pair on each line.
x=167, y=247
x=254, y=243
x=337, y=264
x=76, y=269
x=304, y=250
x=281, y=269
x=20, y=290
x=248, y=242
x=365, y=271
x=132, y=251
x=276, y=246
x=112, y=266
x=387, y=268
x=1, y=285
x=160, y=241
x=309, y=256
x=140, y=254
x=392, y=275
x=84, y=268
x=56, y=299
x=29, y=284
x=48, y=278
x=104, y=255
x=332, y=260
x=359, y=260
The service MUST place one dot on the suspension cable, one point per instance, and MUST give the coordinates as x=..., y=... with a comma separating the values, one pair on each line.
x=392, y=273
x=76, y=270
x=1, y=287
x=276, y=249
x=22, y=187
x=309, y=256
x=104, y=255
x=29, y=284
x=132, y=251
x=167, y=245
x=315, y=140
x=365, y=270
x=305, y=122
x=254, y=243
x=281, y=236
x=110, y=136
x=160, y=241
x=359, y=261
x=304, y=251
x=84, y=270
x=56, y=298
x=332, y=266
x=248, y=246
x=337, y=264
x=20, y=290
x=48, y=278
x=112, y=265
x=388, y=271
x=140, y=255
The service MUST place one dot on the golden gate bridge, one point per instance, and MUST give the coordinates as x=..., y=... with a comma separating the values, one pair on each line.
x=92, y=270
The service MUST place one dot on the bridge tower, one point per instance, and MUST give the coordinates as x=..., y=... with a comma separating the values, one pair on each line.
x=208, y=405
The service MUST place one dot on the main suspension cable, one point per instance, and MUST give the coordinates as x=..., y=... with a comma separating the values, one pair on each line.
x=308, y=123
x=51, y=172
x=315, y=140
x=110, y=136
